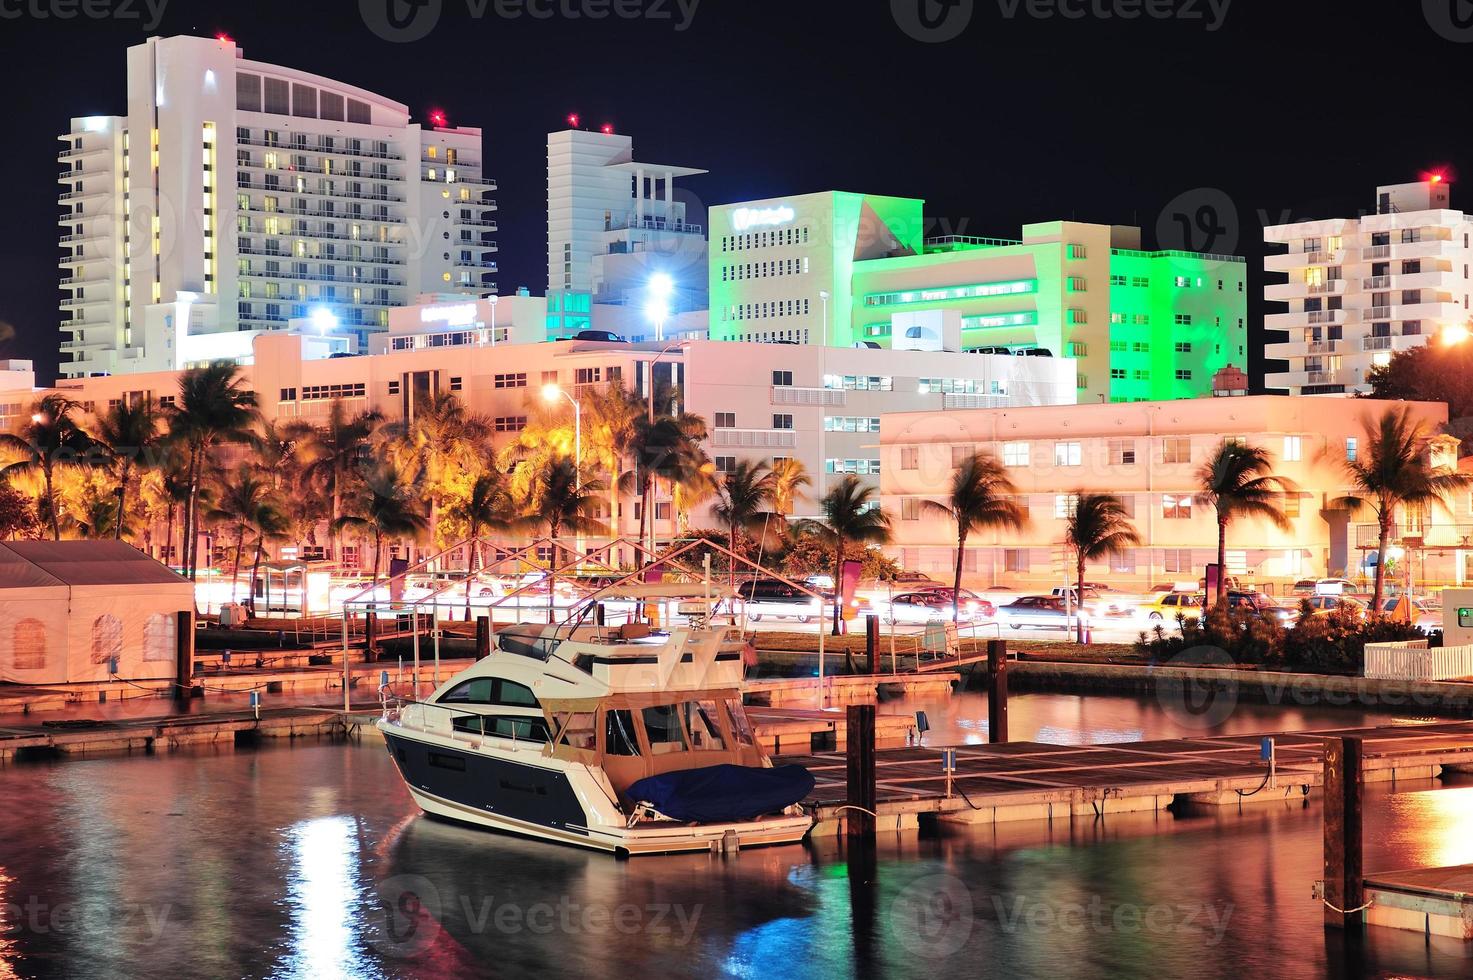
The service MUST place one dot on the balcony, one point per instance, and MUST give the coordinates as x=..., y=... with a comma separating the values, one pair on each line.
x=333, y=174
x=318, y=213
x=293, y=233
x=755, y=438
x=789, y=395
x=318, y=277
x=1426, y=248
x=1322, y=347
x=1299, y=318
x=1398, y=342
x=1283, y=292
x=290, y=257
x=1376, y=282
x=294, y=147
x=318, y=192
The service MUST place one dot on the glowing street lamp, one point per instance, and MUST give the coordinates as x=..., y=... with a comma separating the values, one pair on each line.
x=550, y=394
x=324, y=321
x=661, y=287
x=1454, y=334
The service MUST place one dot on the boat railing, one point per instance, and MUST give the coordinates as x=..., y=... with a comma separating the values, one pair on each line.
x=394, y=712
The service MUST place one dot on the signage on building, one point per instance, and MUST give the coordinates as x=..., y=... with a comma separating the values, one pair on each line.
x=459, y=315
x=744, y=218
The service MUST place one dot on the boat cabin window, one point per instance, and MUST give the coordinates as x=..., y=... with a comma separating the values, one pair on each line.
x=741, y=727
x=521, y=729
x=490, y=690
x=705, y=730
x=577, y=730
x=663, y=729
x=619, y=737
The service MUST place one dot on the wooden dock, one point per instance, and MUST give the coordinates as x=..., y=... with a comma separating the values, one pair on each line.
x=841, y=689
x=805, y=730
x=1435, y=902
x=1032, y=780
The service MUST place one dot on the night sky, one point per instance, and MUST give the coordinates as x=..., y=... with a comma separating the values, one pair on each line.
x=1287, y=109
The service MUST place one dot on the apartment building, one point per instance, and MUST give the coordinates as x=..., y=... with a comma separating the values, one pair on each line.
x=1361, y=288
x=842, y=269
x=761, y=401
x=235, y=195
x=1148, y=454
x=613, y=223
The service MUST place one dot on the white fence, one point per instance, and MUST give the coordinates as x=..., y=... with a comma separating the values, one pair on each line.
x=1411, y=660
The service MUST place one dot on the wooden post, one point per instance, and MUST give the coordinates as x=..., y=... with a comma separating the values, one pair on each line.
x=860, y=743
x=1344, y=788
x=370, y=636
x=183, y=655
x=872, y=642
x=997, y=691
x=483, y=637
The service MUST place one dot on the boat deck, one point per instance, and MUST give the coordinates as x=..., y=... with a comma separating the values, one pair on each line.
x=1028, y=780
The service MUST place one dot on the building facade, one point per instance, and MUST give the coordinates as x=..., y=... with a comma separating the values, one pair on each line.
x=613, y=223
x=235, y=195
x=856, y=269
x=761, y=402
x=1359, y=289
x=1148, y=454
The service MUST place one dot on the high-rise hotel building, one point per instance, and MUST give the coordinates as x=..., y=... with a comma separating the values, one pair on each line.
x=840, y=269
x=1359, y=289
x=235, y=195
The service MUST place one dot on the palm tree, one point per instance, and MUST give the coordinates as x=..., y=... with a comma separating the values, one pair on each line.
x=443, y=435
x=1238, y=481
x=487, y=506
x=1096, y=527
x=667, y=449
x=245, y=493
x=789, y=479
x=745, y=493
x=850, y=514
x=382, y=507
x=1393, y=471
x=981, y=496
x=560, y=500
x=50, y=442
x=332, y=453
x=130, y=431
x=213, y=407
x=611, y=416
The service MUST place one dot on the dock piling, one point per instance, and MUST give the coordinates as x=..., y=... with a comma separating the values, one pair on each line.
x=872, y=642
x=860, y=749
x=997, y=691
x=483, y=636
x=183, y=654
x=1344, y=789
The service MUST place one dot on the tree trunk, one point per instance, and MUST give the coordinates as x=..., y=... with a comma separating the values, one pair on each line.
x=644, y=514
x=1384, y=537
x=956, y=590
x=51, y=503
x=378, y=548
x=1079, y=596
x=838, y=585
x=1221, y=561
x=256, y=573
x=235, y=569
x=122, y=499
x=169, y=528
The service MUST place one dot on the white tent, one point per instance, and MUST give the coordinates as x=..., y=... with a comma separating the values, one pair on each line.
x=69, y=608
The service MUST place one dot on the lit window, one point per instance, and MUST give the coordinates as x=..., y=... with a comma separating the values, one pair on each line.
x=1015, y=453
x=1293, y=451
x=1176, y=506
x=1067, y=454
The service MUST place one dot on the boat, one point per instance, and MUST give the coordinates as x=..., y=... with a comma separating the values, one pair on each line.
x=622, y=737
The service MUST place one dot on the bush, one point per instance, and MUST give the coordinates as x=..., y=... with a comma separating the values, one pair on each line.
x=1330, y=644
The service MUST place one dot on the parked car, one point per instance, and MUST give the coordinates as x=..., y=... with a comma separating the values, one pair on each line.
x=1035, y=352
x=1323, y=604
x=1040, y=612
x=1165, y=606
x=1322, y=586
x=1260, y=602
x=1425, y=616
x=778, y=600
x=992, y=350
x=1095, y=603
x=606, y=336
x=924, y=605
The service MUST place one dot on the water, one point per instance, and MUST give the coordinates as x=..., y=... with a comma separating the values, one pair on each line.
x=312, y=861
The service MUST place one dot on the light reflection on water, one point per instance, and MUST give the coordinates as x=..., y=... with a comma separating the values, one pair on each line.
x=311, y=862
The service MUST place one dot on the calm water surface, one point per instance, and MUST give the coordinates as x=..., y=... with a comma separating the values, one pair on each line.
x=312, y=861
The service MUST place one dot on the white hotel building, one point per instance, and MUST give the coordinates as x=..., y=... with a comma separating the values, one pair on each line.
x=1360, y=289
x=233, y=196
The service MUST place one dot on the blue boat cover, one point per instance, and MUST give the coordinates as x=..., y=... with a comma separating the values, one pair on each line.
x=719, y=794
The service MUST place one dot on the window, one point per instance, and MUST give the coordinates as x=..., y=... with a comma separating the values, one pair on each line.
x=726, y=420
x=1176, y=506
x=1177, y=561
x=1183, y=347
x=1183, y=374
x=510, y=423
x=663, y=729
x=705, y=731
x=1291, y=505
x=457, y=384
x=782, y=379
x=107, y=638
x=509, y=380
x=1015, y=559
x=960, y=454
x=28, y=645
x=329, y=392
x=1352, y=446
x=782, y=421
x=725, y=464
x=1076, y=251
x=1176, y=449
x=491, y=690
x=288, y=394
x=910, y=457
x=619, y=738
x=1064, y=505
x=1015, y=453
x=160, y=637
x=1293, y=449
x=910, y=508
x=1122, y=452
x=1067, y=454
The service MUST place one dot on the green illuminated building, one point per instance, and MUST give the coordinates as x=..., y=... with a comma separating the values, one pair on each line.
x=856, y=269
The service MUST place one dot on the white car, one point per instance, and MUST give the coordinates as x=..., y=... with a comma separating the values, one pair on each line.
x=922, y=607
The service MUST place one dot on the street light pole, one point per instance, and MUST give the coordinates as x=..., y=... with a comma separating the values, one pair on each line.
x=492, y=300
x=551, y=393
